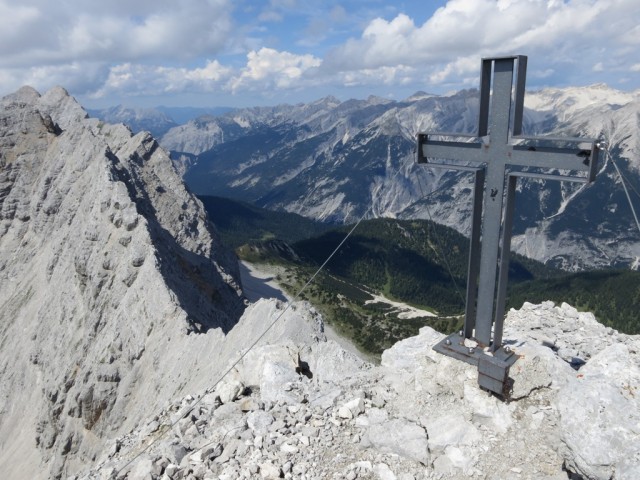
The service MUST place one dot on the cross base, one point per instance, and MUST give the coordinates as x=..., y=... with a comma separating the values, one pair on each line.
x=493, y=368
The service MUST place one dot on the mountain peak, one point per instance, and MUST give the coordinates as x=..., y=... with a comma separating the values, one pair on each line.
x=105, y=257
x=27, y=92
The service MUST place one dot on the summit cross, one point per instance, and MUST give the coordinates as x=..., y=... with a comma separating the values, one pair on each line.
x=498, y=155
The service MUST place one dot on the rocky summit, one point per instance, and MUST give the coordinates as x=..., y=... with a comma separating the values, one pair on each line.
x=128, y=351
x=313, y=411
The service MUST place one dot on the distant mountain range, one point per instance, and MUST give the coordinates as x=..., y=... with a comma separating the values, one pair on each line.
x=157, y=120
x=336, y=161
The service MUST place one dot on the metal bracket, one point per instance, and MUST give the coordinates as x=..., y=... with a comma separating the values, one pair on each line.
x=493, y=367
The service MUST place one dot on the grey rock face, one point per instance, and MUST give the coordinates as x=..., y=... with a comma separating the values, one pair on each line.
x=107, y=263
x=419, y=415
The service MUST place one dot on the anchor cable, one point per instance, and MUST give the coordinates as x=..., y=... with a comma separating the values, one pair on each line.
x=256, y=341
x=624, y=186
x=253, y=344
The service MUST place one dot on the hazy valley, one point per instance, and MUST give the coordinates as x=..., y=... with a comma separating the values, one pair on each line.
x=337, y=161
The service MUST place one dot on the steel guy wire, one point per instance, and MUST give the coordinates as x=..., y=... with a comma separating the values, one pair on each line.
x=260, y=337
x=629, y=183
x=633, y=211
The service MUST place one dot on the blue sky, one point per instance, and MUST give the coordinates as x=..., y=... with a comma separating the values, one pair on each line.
x=244, y=53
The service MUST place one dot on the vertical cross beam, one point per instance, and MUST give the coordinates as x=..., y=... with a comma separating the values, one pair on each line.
x=498, y=155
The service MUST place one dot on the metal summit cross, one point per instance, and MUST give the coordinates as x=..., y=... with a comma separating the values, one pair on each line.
x=498, y=155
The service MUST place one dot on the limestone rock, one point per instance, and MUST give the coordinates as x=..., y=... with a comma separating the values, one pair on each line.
x=229, y=390
x=600, y=415
x=401, y=437
x=107, y=263
x=421, y=415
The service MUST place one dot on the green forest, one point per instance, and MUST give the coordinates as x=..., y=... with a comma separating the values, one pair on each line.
x=418, y=262
x=613, y=296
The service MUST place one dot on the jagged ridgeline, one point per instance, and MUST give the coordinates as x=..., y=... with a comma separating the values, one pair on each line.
x=113, y=284
x=335, y=161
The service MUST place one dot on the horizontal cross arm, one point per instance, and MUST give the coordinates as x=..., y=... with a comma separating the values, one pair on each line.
x=541, y=140
x=581, y=154
x=573, y=159
x=546, y=176
x=451, y=150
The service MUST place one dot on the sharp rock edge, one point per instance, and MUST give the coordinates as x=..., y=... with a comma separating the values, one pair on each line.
x=114, y=288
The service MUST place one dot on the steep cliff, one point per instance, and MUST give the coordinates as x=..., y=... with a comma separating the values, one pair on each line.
x=114, y=288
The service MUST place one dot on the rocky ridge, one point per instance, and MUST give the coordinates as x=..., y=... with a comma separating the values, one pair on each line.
x=312, y=411
x=109, y=267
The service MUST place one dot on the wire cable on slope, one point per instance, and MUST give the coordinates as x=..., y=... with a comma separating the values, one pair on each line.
x=255, y=342
x=258, y=339
x=624, y=186
x=629, y=183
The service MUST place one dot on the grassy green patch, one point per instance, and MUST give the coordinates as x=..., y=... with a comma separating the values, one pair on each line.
x=417, y=262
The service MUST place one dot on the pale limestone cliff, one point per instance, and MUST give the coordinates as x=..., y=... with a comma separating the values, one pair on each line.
x=108, y=269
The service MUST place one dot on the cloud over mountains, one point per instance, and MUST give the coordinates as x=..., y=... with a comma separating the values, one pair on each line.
x=230, y=49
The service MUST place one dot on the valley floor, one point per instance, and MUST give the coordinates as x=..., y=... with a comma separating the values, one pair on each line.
x=260, y=281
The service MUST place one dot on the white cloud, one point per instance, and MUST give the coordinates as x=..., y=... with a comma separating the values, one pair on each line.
x=77, y=77
x=57, y=32
x=156, y=47
x=269, y=68
x=378, y=76
x=266, y=69
x=570, y=32
x=15, y=20
x=128, y=78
